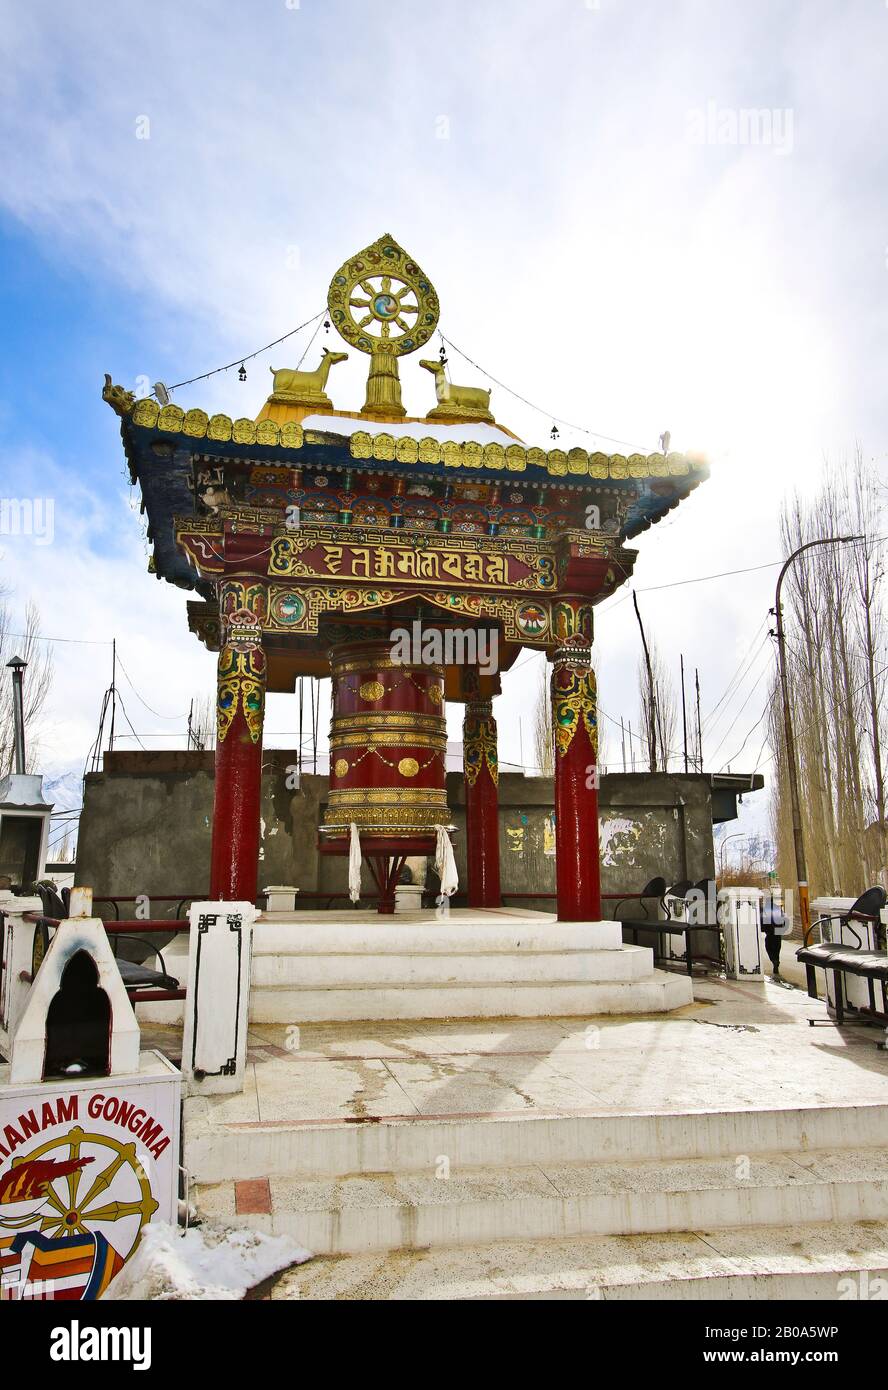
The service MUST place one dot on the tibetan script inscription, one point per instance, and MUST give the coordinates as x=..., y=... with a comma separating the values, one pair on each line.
x=386, y=563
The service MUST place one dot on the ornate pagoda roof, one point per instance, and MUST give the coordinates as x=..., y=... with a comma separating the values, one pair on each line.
x=382, y=304
x=161, y=444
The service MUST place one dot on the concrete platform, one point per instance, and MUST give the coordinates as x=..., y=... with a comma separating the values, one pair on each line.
x=326, y=966
x=724, y=1150
x=335, y=966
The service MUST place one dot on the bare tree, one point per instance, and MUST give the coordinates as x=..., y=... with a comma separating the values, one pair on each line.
x=37, y=683
x=202, y=722
x=659, y=708
x=836, y=663
x=543, y=733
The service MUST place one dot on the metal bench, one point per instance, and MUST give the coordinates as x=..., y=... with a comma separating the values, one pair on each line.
x=843, y=959
x=140, y=981
x=657, y=889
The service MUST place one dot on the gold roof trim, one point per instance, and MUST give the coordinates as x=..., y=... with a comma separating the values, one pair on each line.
x=198, y=425
x=386, y=448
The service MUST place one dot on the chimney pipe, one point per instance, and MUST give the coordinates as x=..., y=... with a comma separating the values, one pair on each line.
x=17, y=666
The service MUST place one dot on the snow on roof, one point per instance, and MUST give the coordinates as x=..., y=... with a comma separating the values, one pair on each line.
x=474, y=432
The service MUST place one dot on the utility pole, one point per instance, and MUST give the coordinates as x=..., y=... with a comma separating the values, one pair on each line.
x=789, y=735
x=652, y=698
x=699, y=731
x=113, y=692
x=684, y=712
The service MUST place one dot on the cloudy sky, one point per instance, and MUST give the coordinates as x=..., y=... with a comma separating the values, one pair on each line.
x=611, y=233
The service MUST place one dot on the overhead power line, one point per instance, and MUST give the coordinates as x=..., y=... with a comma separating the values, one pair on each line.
x=744, y=670
x=248, y=357
x=142, y=701
x=557, y=419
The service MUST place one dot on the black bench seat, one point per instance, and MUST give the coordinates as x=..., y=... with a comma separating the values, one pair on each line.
x=848, y=958
x=143, y=977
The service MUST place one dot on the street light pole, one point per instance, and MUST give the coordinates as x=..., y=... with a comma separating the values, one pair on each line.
x=738, y=835
x=792, y=766
x=17, y=666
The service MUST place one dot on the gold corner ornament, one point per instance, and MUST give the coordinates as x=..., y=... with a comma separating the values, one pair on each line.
x=120, y=400
x=382, y=303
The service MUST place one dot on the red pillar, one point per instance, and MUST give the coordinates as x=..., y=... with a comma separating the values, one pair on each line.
x=482, y=804
x=240, y=708
x=575, y=722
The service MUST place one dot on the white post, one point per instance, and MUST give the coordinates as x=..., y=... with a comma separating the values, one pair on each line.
x=739, y=912
x=214, y=1048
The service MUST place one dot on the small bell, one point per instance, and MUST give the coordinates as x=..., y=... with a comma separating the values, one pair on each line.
x=443, y=355
x=553, y=433
x=326, y=325
x=242, y=372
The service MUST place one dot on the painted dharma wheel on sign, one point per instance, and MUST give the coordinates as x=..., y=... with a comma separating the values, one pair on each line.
x=388, y=744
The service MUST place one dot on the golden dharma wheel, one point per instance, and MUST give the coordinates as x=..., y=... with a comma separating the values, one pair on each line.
x=380, y=301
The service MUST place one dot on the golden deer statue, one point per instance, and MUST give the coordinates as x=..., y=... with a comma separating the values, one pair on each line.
x=305, y=388
x=457, y=402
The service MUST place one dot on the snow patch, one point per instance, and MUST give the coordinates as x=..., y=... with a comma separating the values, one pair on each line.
x=204, y=1263
x=476, y=432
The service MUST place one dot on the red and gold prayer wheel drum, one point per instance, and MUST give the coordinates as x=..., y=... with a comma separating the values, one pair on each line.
x=388, y=745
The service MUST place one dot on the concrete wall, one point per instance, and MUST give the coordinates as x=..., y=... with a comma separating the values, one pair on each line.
x=146, y=824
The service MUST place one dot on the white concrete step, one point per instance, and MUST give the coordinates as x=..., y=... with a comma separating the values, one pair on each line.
x=216, y=1151
x=817, y=1262
x=459, y=934
x=451, y=1207
x=357, y=970
x=658, y=992
x=335, y=968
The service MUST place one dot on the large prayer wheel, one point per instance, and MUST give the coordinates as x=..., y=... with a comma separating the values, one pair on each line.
x=388, y=747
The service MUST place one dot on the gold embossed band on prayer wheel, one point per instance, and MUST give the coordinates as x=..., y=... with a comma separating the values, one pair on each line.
x=388, y=744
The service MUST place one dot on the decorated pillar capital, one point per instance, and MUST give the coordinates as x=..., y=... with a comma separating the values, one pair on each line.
x=574, y=703
x=480, y=740
x=573, y=629
x=575, y=724
x=241, y=672
x=481, y=771
x=240, y=711
x=574, y=690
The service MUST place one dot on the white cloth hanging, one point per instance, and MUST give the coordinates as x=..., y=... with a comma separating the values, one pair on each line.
x=445, y=863
x=354, y=864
